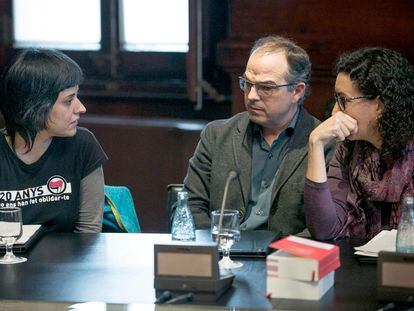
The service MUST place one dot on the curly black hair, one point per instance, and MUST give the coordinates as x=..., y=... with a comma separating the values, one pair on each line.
x=385, y=73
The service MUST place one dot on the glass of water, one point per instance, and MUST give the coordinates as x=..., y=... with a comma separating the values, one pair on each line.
x=228, y=235
x=10, y=231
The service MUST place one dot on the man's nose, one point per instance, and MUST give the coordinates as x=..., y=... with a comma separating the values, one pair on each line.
x=252, y=93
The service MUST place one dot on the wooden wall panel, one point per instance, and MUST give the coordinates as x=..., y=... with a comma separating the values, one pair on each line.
x=325, y=28
x=3, y=34
x=145, y=155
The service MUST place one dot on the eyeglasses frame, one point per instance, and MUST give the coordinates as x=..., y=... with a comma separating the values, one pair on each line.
x=272, y=86
x=342, y=104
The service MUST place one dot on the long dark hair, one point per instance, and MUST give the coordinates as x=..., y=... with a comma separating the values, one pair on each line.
x=387, y=74
x=30, y=87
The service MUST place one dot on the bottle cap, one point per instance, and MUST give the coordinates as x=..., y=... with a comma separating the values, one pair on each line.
x=182, y=195
x=409, y=200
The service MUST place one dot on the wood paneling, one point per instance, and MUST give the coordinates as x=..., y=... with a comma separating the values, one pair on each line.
x=146, y=155
x=4, y=33
x=325, y=28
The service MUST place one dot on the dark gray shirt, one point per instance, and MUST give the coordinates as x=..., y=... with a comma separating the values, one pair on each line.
x=265, y=164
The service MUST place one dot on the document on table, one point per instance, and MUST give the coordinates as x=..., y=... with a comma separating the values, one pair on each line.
x=383, y=241
x=31, y=233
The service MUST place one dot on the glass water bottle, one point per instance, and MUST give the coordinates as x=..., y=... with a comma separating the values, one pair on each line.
x=405, y=234
x=183, y=228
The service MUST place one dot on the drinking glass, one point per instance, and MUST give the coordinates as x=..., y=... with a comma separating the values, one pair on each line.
x=10, y=231
x=229, y=233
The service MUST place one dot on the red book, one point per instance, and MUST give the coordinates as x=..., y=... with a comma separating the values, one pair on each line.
x=324, y=258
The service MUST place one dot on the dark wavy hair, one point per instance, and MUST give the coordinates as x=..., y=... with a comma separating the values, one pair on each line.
x=385, y=73
x=30, y=88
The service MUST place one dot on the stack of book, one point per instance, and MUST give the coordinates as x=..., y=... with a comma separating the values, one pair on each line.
x=301, y=268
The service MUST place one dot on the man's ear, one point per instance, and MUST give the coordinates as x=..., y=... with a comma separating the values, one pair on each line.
x=299, y=92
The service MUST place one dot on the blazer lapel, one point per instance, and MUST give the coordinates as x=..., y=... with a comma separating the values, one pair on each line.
x=297, y=150
x=242, y=143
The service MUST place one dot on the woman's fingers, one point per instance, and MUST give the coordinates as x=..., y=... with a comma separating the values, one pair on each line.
x=338, y=128
x=349, y=122
x=347, y=125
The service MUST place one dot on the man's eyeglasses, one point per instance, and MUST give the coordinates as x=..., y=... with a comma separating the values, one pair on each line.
x=262, y=89
x=342, y=100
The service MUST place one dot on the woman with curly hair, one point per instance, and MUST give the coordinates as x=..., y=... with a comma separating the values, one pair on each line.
x=372, y=169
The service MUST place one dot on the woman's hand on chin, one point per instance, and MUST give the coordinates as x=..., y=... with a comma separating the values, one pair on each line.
x=338, y=127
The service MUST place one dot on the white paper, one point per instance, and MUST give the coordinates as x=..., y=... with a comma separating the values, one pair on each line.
x=28, y=231
x=383, y=241
x=310, y=242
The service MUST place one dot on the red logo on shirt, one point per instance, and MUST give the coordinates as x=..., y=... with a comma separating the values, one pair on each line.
x=56, y=184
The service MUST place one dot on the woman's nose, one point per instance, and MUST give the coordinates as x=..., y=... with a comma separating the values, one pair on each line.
x=80, y=108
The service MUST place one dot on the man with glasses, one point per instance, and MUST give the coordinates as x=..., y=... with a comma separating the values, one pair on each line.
x=267, y=144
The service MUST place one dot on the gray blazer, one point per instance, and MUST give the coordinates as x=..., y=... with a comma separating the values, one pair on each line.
x=227, y=144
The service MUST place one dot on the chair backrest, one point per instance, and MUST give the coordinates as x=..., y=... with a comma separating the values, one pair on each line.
x=119, y=211
x=172, y=190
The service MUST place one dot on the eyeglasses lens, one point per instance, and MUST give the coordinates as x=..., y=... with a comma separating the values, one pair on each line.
x=245, y=85
x=340, y=100
x=262, y=90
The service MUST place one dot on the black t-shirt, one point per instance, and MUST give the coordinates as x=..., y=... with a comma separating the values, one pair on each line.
x=47, y=191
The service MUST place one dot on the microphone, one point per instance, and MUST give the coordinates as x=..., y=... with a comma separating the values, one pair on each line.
x=165, y=296
x=187, y=297
x=233, y=174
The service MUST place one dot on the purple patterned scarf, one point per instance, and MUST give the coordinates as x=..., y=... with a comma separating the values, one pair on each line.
x=375, y=190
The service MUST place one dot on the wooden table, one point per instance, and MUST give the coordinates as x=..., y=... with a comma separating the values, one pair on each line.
x=118, y=269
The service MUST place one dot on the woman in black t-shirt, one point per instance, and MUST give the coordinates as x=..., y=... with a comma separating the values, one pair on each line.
x=49, y=166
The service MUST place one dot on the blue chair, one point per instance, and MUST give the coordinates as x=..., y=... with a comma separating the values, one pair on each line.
x=119, y=211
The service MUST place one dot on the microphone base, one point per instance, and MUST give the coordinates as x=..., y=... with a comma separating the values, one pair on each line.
x=177, y=268
x=198, y=296
x=203, y=290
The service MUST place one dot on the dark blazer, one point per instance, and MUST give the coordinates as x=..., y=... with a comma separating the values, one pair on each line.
x=227, y=144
